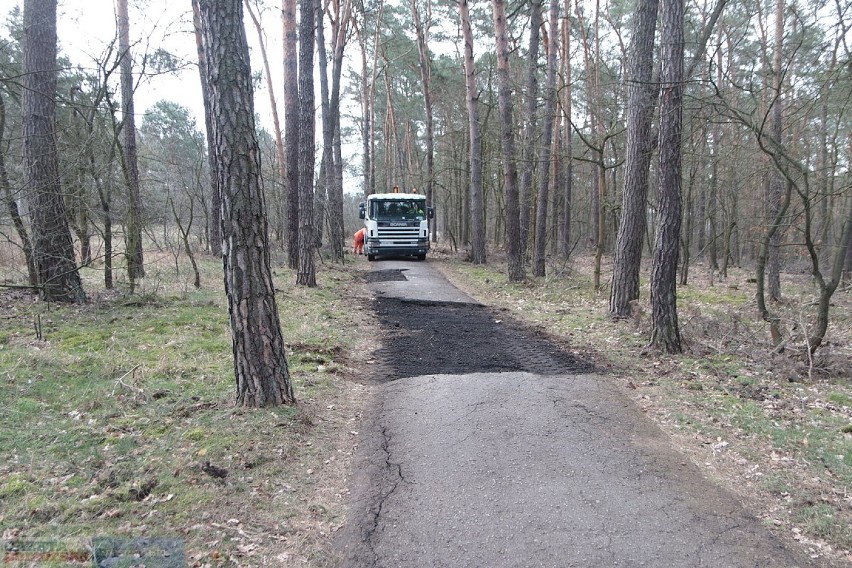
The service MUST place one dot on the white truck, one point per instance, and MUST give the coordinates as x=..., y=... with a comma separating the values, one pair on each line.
x=396, y=224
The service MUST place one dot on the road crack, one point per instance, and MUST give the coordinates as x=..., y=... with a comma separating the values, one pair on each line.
x=391, y=478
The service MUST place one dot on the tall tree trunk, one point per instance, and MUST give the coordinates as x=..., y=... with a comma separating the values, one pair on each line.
x=516, y=271
x=665, y=332
x=214, y=235
x=776, y=182
x=568, y=167
x=598, y=145
x=291, y=128
x=270, y=87
x=422, y=33
x=260, y=360
x=53, y=250
x=105, y=198
x=530, y=140
x=713, y=199
x=366, y=118
x=327, y=159
x=546, y=142
x=340, y=27
x=12, y=205
x=477, y=217
x=135, y=259
x=641, y=100
x=306, y=274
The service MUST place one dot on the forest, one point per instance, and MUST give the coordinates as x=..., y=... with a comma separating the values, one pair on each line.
x=665, y=182
x=537, y=131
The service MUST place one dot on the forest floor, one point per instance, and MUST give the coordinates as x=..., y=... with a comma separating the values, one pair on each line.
x=118, y=433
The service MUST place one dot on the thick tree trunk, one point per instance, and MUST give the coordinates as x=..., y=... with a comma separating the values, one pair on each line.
x=477, y=217
x=665, y=332
x=53, y=250
x=306, y=274
x=135, y=259
x=260, y=361
x=546, y=143
x=291, y=128
x=641, y=100
x=516, y=272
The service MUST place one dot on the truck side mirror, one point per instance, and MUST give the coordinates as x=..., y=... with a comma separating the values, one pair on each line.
x=430, y=211
x=362, y=214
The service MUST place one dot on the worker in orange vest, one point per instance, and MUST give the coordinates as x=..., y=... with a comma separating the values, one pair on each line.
x=359, y=241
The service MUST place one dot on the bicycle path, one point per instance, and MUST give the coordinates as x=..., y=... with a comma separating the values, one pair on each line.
x=532, y=465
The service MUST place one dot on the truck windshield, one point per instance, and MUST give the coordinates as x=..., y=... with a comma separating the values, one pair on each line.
x=396, y=210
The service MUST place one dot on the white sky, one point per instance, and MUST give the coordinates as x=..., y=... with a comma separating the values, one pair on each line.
x=86, y=27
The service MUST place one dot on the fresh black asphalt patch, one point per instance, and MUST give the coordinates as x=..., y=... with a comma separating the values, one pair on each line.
x=436, y=338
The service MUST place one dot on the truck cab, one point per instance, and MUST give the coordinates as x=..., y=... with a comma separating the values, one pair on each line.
x=396, y=224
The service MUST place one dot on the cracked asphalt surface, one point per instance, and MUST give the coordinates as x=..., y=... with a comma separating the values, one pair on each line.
x=489, y=445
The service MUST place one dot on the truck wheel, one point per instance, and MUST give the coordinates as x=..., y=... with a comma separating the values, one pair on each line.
x=421, y=257
x=371, y=257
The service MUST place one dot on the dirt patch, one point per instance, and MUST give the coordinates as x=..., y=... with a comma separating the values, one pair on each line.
x=426, y=338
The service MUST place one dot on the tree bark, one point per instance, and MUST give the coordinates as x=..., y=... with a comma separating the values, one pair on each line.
x=477, y=217
x=568, y=164
x=327, y=159
x=776, y=182
x=530, y=140
x=260, y=362
x=516, y=271
x=665, y=332
x=306, y=273
x=422, y=32
x=291, y=128
x=135, y=258
x=546, y=142
x=366, y=118
x=641, y=100
x=53, y=250
x=340, y=27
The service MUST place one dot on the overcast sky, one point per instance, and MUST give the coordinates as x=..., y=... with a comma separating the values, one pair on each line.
x=86, y=27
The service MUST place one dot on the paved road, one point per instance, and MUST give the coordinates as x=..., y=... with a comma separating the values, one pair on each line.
x=518, y=469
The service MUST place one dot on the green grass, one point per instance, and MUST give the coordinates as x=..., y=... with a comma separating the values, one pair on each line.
x=137, y=392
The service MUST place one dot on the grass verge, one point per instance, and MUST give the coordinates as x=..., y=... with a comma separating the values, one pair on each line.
x=117, y=420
